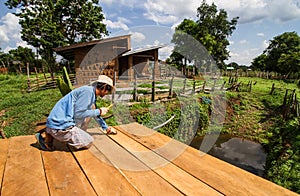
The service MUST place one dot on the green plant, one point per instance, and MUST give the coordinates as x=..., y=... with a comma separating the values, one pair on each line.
x=283, y=161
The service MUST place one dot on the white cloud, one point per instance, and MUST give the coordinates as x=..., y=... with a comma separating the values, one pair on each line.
x=120, y=24
x=137, y=37
x=260, y=34
x=3, y=35
x=256, y=10
x=243, y=41
x=9, y=32
x=166, y=12
x=265, y=44
x=165, y=52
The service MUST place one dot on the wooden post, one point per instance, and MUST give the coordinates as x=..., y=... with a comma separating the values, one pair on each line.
x=273, y=88
x=194, y=86
x=184, y=85
x=28, y=76
x=135, y=88
x=203, y=87
x=171, y=86
x=153, y=84
x=37, y=77
x=284, y=106
x=223, y=85
x=114, y=83
x=214, y=86
x=44, y=74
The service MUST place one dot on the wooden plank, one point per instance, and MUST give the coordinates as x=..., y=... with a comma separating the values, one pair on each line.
x=139, y=175
x=3, y=157
x=226, y=178
x=185, y=182
x=64, y=175
x=24, y=173
x=105, y=179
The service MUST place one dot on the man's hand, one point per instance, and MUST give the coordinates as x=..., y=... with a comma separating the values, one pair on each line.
x=103, y=111
x=109, y=130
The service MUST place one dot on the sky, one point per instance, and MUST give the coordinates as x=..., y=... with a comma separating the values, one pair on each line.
x=149, y=21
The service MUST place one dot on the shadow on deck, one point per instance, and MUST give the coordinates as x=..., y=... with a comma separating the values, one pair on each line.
x=136, y=161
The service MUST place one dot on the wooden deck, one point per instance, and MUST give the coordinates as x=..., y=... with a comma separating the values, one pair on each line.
x=136, y=161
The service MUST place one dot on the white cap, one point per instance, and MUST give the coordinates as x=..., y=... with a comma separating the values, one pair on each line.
x=104, y=79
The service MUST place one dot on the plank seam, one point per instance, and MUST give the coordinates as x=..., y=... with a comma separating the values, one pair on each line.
x=82, y=169
x=129, y=135
x=121, y=172
x=142, y=162
x=4, y=168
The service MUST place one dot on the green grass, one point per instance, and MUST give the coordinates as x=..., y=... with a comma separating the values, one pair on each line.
x=22, y=110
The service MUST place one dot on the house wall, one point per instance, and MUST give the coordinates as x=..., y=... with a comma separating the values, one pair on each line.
x=99, y=59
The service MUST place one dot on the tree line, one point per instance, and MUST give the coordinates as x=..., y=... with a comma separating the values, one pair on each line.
x=202, y=42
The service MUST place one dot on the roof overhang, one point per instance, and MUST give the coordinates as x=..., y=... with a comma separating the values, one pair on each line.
x=68, y=52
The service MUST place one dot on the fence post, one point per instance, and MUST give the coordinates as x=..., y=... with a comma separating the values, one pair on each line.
x=44, y=74
x=37, y=77
x=214, y=86
x=28, y=76
x=222, y=87
x=171, y=86
x=194, y=86
x=273, y=88
x=184, y=84
x=114, y=92
x=250, y=88
x=135, y=88
x=203, y=87
x=153, y=84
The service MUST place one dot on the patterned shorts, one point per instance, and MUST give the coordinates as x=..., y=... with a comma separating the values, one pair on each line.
x=74, y=136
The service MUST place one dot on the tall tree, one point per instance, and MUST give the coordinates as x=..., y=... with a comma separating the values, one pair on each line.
x=49, y=24
x=283, y=54
x=259, y=62
x=211, y=29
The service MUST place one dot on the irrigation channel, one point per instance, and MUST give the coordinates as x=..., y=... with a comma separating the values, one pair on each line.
x=242, y=153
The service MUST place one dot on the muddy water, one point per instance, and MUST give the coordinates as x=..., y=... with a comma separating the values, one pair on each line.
x=242, y=153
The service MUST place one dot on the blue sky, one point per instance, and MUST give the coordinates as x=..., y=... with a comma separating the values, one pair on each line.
x=149, y=20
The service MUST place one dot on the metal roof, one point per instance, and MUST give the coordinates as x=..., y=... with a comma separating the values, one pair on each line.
x=135, y=51
x=68, y=51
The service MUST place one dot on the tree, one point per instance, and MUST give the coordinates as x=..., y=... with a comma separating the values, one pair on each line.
x=259, y=62
x=52, y=23
x=212, y=30
x=283, y=54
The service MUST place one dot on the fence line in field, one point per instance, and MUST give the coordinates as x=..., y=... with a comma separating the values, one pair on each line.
x=42, y=81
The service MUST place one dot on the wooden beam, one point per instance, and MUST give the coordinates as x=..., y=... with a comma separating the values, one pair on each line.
x=24, y=173
x=224, y=177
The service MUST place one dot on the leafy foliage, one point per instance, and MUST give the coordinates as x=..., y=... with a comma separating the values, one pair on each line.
x=211, y=29
x=191, y=117
x=283, y=161
x=282, y=55
x=50, y=24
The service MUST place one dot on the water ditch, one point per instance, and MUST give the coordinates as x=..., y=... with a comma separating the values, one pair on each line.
x=242, y=153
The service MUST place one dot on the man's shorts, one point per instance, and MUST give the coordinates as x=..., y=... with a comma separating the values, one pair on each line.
x=74, y=136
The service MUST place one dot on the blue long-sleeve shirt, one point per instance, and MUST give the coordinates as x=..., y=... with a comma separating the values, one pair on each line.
x=74, y=107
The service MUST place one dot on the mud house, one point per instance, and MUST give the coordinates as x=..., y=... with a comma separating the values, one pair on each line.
x=112, y=57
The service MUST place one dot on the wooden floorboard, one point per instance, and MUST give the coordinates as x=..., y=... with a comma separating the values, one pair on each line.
x=24, y=172
x=64, y=175
x=164, y=168
x=3, y=157
x=136, y=161
x=135, y=171
x=220, y=175
x=105, y=179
